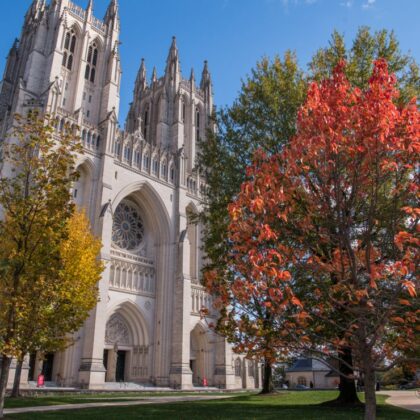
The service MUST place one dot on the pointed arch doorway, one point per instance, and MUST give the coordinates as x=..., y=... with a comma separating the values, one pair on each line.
x=200, y=356
x=126, y=352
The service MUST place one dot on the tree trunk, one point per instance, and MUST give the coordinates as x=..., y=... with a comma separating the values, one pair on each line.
x=347, y=387
x=370, y=395
x=16, y=382
x=5, y=365
x=267, y=379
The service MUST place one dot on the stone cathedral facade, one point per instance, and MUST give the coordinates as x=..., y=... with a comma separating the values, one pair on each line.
x=140, y=191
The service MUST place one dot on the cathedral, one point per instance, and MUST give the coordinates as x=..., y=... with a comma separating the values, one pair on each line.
x=140, y=190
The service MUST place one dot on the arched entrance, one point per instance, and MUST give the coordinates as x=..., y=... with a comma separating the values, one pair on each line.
x=141, y=265
x=126, y=353
x=201, y=356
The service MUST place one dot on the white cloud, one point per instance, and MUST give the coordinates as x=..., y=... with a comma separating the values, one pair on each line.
x=348, y=3
x=287, y=3
x=368, y=4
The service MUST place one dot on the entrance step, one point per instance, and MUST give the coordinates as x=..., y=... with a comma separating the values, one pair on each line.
x=132, y=386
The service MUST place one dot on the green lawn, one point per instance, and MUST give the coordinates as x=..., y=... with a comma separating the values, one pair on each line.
x=57, y=399
x=284, y=406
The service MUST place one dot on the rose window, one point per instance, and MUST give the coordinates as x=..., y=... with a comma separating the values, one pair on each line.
x=127, y=229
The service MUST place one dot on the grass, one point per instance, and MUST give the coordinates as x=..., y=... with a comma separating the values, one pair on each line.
x=287, y=405
x=55, y=399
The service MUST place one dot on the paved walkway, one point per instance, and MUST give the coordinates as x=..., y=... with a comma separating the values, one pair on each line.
x=139, y=401
x=404, y=399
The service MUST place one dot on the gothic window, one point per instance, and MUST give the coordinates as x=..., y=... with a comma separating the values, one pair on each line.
x=250, y=368
x=87, y=72
x=67, y=41
x=84, y=137
x=98, y=142
x=69, y=49
x=92, y=75
x=92, y=60
x=164, y=169
x=238, y=370
x=172, y=174
x=146, y=161
x=137, y=158
x=128, y=228
x=70, y=62
x=155, y=166
x=127, y=153
x=146, y=121
x=302, y=380
x=117, y=150
x=197, y=123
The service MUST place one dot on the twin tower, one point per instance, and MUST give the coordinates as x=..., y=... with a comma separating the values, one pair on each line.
x=67, y=62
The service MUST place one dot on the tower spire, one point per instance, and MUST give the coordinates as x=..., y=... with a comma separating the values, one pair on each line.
x=173, y=50
x=112, y=10
x=34, y=9
x=154, y=75
x=89, y=10
x=172, y=62
x=141, y=81
x=205, y=76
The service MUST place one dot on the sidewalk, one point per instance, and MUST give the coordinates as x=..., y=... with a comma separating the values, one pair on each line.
x=139, y=401
x=404, y=399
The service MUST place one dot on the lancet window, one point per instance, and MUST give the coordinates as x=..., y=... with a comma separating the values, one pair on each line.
x=92, y=61
x=69, y=49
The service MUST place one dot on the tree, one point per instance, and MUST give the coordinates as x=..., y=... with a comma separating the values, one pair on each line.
x=35, y=201
x=338, y=206
x=60, y=305
x=366, y=48
x=264, y=116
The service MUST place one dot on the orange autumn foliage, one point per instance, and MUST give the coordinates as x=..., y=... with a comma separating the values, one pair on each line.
x=326, y=232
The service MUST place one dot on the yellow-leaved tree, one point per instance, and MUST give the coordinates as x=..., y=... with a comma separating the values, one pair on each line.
x=48, y=258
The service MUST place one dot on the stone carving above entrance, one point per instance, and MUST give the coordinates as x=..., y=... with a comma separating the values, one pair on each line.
x=117, y=331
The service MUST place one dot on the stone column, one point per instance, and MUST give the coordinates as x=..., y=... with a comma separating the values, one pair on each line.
x=92, y=370
x=180, y=372
x=224, y=376
x=112, y=365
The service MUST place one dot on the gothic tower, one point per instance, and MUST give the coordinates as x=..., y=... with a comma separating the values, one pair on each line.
x=67, y=63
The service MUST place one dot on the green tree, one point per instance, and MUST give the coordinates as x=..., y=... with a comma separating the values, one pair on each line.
x=365, y=49
x=35, y=286
x=264, y=116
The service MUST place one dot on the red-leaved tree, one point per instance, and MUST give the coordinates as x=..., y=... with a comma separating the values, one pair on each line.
x=333, y=221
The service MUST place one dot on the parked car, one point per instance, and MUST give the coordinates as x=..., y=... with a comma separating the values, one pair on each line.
x=407, y=385
x=301, y=387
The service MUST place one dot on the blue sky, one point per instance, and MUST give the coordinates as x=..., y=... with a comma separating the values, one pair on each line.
x=232, y=34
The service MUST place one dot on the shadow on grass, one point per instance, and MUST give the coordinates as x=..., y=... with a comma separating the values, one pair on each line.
x=242, y=407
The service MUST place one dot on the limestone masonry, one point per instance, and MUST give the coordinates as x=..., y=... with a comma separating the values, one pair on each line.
x=140, y=191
